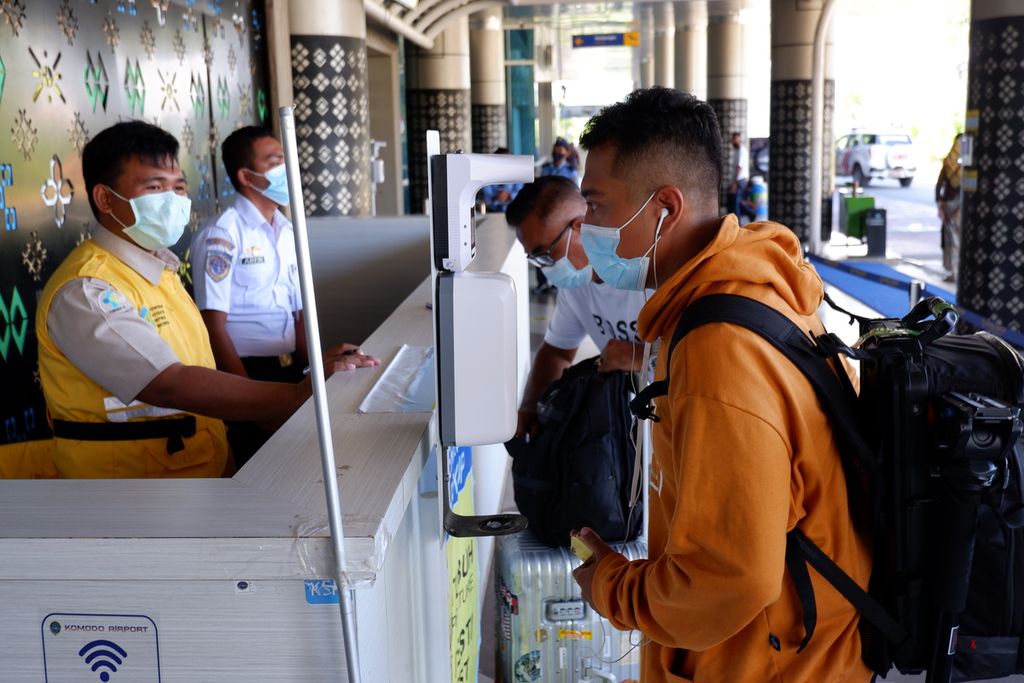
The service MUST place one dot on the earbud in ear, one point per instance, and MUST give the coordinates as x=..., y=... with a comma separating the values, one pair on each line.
x=664, y=212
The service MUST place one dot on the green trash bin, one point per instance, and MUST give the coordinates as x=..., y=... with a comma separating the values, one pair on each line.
x=852, y=212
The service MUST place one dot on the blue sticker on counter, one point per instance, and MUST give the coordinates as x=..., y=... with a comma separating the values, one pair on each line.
x=460, y=466
x=100, y=647
x=322, y=592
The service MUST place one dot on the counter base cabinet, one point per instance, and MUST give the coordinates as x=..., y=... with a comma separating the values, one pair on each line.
x=207, y=631
x=230, y=630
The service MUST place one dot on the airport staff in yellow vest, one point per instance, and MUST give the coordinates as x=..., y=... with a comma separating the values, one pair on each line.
x=124, y=356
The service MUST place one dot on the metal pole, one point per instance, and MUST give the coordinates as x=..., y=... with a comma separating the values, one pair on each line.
x=346, y=601
x=915, y=292
x=817, y=122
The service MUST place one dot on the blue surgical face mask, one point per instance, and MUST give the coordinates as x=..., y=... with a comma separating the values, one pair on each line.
x=601, y=243
x=160, y=218
x=564, y=275
x=277, y=190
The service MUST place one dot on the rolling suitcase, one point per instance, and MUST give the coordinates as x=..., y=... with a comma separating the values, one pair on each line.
x=546, y=633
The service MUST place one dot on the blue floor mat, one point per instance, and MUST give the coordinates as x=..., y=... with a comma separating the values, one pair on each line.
x=878, y=286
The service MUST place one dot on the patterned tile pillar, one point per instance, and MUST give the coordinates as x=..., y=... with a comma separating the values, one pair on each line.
x=487, y=73
x=691, y=51
x=332, y=121
x=726, y=86
x=789, y=173
x=664, y=45
x=991, y=273
x=437, y=98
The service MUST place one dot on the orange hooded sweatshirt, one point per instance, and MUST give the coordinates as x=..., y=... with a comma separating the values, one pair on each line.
x=743, y=453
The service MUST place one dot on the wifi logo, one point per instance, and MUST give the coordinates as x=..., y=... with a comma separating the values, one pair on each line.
x=101, y=654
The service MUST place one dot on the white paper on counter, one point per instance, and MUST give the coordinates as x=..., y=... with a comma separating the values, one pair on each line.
x=406, y=386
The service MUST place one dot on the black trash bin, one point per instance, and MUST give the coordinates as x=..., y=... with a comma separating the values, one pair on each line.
x=874, y=226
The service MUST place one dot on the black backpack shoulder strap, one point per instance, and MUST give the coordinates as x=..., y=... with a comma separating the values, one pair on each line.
x=775, y=328
x=838, y=399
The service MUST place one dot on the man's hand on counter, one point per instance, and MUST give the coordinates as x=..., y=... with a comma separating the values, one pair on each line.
x=344, y=357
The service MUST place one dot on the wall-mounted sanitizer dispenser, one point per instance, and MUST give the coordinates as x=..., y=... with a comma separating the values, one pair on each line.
x=474, y=320
x=478, y=395
x=474, y=313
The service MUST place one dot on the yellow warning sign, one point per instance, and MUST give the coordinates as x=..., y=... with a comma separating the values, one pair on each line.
x=576, y=635
x=631, y=39
x=969, y=180
x=971, y=120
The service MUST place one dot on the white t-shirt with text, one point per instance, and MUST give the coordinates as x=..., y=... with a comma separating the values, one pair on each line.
x=595, y=309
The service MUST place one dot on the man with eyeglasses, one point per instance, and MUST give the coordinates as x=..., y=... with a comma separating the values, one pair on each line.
x=546, y=215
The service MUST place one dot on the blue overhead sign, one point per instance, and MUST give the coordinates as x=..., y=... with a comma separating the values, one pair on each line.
x=630, y=39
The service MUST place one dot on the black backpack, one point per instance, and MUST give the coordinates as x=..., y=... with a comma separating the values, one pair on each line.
x=934, y=466
x=577, y=471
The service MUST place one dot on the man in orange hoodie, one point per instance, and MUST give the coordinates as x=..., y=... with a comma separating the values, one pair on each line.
x=742, y=453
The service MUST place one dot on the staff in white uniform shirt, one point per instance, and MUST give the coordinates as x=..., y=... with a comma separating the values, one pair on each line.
x=547, y=215
x=246, y=276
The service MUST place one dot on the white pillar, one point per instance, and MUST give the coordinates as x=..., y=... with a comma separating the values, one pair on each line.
x=664, y=45
x=691, y=51
x=726, y=83
x=487, y=74
x=646, y=15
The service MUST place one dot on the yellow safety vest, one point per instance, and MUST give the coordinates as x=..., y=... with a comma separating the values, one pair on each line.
x=77, y=404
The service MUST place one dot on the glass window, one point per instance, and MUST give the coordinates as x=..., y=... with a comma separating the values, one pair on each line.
x=519, y=44
x=522, y=109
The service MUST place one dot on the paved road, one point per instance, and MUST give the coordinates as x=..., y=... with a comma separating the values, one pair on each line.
x=913, y=229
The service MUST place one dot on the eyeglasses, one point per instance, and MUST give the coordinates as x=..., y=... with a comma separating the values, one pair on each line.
x=544, y=259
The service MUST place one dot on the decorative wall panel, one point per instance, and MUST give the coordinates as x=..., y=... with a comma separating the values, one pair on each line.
x=68, y=69
x=489, y=128
x=332, y=123
x=789, y=177
x=446, y=111
x=992, y=243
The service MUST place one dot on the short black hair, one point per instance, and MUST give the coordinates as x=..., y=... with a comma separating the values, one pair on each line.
x=665, y=129
x=540, y=197
x=236, y=150
x=103, y=155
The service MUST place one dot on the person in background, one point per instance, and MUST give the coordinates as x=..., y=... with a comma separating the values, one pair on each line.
x=574, y=158
x=559, y=164
x=497, y=197
x=124, y=357
x=546, y=216
x=947, y=198
x=742, y=451
x=739, y=173
x=247, y=281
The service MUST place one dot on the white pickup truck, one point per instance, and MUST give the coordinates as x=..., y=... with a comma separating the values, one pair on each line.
x=866, y=156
